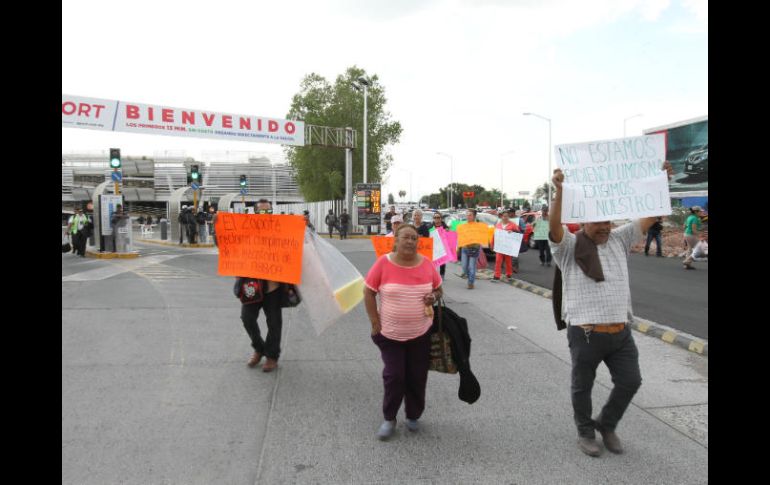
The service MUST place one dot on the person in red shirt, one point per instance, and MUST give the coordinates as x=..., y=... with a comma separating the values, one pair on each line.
x=505, y=224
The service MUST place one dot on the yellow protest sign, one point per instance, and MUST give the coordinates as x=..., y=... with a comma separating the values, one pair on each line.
x=384, y=245
x=472, y=233
x=260, y=246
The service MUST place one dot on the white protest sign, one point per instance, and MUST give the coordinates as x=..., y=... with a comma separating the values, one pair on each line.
x=508, y=243
x=439, y=251
x=614, y=179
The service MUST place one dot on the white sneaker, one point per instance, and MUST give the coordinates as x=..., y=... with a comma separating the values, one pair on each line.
x=412, y=425
x=386, y=430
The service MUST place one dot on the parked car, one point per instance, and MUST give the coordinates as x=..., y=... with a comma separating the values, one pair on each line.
x=697, y=161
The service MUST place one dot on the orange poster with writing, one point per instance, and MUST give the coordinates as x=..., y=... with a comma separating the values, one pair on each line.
x=384, y=245
x=473, y=233
x=260, y=246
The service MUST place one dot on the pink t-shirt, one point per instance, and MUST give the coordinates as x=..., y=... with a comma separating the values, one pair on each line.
x=401, y=289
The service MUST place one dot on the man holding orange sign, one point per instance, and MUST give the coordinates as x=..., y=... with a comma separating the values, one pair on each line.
x=261, y=251
x=471, y=237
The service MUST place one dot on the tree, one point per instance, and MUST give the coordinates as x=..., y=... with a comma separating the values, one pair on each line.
x=402, y=194
x=320, y=170
x=391, y=199
x=542, y=191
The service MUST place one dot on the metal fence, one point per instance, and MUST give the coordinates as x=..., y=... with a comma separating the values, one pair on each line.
x=319, y=211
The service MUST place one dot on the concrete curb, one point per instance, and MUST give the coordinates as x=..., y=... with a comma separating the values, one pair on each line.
x=647, y=327
x=97, y=255
x=183, y=245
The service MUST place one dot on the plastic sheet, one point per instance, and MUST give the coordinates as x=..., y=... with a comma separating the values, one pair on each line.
x=331, y=286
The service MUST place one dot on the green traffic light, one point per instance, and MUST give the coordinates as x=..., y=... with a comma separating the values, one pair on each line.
x=115, y=157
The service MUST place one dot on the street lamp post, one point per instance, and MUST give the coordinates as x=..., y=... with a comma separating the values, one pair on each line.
x=502, y=203
x=364, y=84
x=451, y=177
x=548, y=179
x=626, y=119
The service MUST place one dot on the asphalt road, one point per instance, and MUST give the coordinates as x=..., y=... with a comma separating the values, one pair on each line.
x=661, y=290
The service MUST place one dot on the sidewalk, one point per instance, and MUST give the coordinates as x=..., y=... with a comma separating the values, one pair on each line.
x=155, y=390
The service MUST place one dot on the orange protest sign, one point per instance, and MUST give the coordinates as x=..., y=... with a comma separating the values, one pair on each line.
x=260, y=246
x=472, y=233
x=384, y=245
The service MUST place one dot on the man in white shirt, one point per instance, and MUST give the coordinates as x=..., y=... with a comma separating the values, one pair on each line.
x=596, y=305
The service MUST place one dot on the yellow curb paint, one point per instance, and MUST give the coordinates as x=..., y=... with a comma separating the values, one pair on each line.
x=669, y=337
x=643, y=327
x=696, y=347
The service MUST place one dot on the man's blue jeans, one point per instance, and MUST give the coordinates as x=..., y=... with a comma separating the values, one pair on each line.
x=650, y=236
x=469, y=258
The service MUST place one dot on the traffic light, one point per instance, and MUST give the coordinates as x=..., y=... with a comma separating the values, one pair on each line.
x=115, y=157
x=244, y=182
x=194, y=173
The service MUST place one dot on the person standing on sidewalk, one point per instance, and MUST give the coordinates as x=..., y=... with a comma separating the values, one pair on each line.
x=395, y=222
x=423, y=228
x=505, y=224
x=408, y=284
x=438, y=222
x=592, y=297
x=344, y=222
x=78, y=229
x=540, y=236
x=654, y=233
x=200, y=219
x=331, y=221
x=270, y=303
x=691, y=227
x=306, y=215
x=470, y=254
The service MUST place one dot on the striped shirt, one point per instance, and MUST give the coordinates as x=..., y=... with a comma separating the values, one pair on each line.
x=402, y=289
x=586, y=301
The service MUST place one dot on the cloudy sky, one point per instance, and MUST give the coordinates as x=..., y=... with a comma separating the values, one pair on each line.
x=458, y=74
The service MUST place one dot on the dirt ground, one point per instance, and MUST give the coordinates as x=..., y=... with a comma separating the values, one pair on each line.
x=673, y=243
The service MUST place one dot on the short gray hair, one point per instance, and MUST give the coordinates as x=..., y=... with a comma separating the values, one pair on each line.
x=416, y=211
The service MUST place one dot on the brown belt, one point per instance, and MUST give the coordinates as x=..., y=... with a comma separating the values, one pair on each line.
x=612, y=328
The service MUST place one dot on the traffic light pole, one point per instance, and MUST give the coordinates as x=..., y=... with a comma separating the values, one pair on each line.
x=117, y=185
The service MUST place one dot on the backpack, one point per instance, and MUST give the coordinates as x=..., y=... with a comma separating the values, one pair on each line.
x=248, y=290
x=200, y=218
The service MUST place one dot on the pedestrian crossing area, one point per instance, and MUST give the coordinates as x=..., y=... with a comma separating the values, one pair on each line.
x=163, y=272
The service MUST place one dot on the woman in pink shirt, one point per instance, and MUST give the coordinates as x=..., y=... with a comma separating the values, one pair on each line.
x=408, y=285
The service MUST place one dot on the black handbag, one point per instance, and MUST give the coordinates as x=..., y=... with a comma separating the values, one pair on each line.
x=441, y=346
x=290, y=296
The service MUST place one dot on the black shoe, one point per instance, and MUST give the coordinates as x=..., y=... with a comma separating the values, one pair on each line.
x=589, y=446
x=611, y=442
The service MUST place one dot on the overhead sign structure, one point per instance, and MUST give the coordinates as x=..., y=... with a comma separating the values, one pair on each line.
x=614, y=179
x=369, y=204
x=112, y=115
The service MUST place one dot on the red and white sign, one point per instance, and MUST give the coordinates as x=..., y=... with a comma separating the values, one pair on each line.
x=105, y=114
